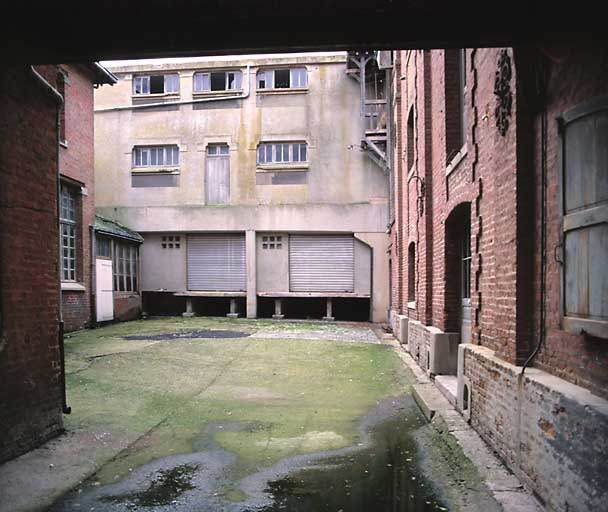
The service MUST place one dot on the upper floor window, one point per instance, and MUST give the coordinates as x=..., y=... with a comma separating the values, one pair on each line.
x=149, y=156
x=455, y=104
x=293, y=78
x=218, y=81
x=156, y=84
x=68, y=220
x=584, y=209
x=282, y=152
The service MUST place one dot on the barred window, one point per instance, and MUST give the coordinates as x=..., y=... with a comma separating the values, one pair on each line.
x=153, y=156
x=282, y=152
x=68, y=233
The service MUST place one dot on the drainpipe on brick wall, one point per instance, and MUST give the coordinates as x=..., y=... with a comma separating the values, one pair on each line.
x=93, y=277
x=60, y=101
x=185, y=102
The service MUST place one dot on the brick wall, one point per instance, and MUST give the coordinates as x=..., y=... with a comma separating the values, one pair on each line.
x=30, y=393
x=535, y=424
x=552, y=434
x=76, y=162
x=126, y=307
x=576, y=75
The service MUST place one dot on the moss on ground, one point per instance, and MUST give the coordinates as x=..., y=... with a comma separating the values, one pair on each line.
x=289, y=396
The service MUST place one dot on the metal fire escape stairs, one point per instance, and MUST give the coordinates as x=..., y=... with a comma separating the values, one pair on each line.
x=370, y=69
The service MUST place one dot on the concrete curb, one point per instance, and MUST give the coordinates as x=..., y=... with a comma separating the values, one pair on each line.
x=505, y=487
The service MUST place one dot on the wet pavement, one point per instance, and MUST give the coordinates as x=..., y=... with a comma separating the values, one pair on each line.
x=379, y=473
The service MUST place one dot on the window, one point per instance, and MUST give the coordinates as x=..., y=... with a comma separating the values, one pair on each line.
x=411, y=272
x=153, y=156
x=61, y=88
x=124, y=266
x=103, y=248
x=294, y=78
x=272, y=242
x=282, y=152
x=584, y=208
x=156, y=84
x=410, y=140
x=170, y=242
x=218, y=81
x=455, y=104
x=68, y=223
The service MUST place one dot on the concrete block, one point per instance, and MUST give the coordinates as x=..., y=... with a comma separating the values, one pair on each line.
x=444, y=352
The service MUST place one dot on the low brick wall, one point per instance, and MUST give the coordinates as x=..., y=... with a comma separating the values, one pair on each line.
x=419, y=343
x=127, y=307
x=552, y=434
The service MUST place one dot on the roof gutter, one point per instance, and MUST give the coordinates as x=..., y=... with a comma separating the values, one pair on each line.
x=185, y=102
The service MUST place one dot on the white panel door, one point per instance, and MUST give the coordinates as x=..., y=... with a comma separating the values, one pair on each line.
x=103, y=292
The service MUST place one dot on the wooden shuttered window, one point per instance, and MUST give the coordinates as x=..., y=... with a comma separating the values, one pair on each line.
x=584, y=205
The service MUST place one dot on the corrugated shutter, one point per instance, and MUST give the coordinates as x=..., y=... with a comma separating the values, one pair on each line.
x=217, y=263
x=321, y=263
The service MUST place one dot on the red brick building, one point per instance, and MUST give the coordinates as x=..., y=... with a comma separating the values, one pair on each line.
x=499, y=251
x=34, y=129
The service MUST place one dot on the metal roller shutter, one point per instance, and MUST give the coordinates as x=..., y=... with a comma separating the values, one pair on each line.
x=217, y=263
x=321, y=263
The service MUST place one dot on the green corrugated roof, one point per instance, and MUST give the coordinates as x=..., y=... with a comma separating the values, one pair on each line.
x=113, y=228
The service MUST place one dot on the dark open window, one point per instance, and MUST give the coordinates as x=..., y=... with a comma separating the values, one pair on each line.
x=411, y=272
x=409, y=150
x=585, y=219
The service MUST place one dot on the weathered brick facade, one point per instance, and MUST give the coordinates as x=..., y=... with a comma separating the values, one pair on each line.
x=30, y=393
x=493, y=183
x=77, y=164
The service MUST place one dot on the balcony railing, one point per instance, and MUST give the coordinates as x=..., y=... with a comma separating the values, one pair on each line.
x=375, y=116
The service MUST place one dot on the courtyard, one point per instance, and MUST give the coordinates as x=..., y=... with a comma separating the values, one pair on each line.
x=222, y=414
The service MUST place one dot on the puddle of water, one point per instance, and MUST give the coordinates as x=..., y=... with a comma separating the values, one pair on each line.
x=188, y=335
x=383, y=478
x=168, y=485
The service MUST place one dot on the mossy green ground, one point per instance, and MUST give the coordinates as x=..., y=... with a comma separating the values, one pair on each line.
x=288, y=396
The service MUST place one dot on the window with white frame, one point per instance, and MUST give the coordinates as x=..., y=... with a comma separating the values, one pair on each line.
x=154, y=156
x=68, y=221
x=210, y=81
x=293, y=78
x=124, y=265
x=584, y=209
x=282, y=152
x=156, y=84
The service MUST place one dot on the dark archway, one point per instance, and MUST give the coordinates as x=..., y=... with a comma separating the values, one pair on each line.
x=457, y=298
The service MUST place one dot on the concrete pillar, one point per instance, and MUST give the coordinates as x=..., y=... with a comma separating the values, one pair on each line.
x=233, y=312
x=189, y=313
x=329, y=313
x=278, y=314
x=250, y=254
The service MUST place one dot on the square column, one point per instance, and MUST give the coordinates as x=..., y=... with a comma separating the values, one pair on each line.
x=189, y=313
x=329, y=313
x=233, y=312
x=278, y=315
x=250, y=255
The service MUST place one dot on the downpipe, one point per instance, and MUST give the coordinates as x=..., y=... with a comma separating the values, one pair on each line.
x=59, y=100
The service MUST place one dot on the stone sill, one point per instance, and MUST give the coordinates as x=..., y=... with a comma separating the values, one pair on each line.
x=154, y=170
x=411, y=304
x=281, y=168
x=171, y=95
x=213, y=94
x=300, y=90
x=72, y=287
x=456, y=159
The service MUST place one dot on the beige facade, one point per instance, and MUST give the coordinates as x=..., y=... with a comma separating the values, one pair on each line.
x=333, y=188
